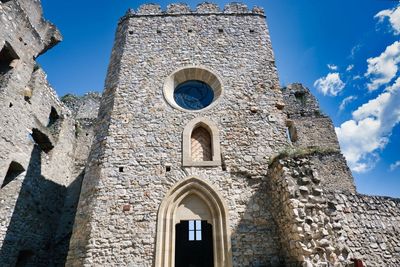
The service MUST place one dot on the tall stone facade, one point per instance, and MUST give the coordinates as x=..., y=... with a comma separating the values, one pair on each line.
x=137, y=156
x=192, y=126
x=42, y=152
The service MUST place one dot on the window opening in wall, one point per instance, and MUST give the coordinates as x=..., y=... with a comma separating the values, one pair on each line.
x=42, y=140
x=24, y=258
x=10, y=105
x=291, y=132
x=223, y=164
x=193, y=95
x=167, y=168
x=53, y=117
x=251, y=31
x=7, y=57
x=301, y=97
x=194, y=230
x=220, y=30
x=27, y=99
x=201, y=145
x=121, y=169
x=13, y=171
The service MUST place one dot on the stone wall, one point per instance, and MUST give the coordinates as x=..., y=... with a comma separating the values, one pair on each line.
x=319, y=227
x=310, y=130
x=370, y=227
x=291, y=200
x=39, y=176
x=139, y=133
x=307, y=126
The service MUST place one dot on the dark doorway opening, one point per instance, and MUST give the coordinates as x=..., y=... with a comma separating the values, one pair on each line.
x=194, y=244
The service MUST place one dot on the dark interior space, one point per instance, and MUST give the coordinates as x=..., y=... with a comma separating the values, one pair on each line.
x=7, y=55
x=53, y=117
x=194, y=244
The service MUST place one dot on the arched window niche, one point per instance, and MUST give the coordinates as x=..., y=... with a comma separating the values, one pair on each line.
x=192, y=200
x=201, y=145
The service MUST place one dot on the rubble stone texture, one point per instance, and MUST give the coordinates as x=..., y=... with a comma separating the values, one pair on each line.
x=84, y=180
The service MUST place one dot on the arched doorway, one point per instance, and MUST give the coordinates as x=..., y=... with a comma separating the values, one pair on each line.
x=193, y=233
x=192, y=228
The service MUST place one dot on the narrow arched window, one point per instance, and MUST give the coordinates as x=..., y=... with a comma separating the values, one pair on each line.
x=201, y=145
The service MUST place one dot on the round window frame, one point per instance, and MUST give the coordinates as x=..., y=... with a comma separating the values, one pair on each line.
x=185, y=74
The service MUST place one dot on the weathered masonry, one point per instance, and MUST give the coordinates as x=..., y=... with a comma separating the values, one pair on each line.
x=197, y=157
x=42, y=153
x=183, y=169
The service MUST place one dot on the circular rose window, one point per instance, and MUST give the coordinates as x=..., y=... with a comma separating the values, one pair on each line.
x=193, y=95
x=192, y=89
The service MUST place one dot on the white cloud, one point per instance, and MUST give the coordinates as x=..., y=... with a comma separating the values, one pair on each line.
x=394, y=18
x=382, y=69
x=394, y=165
x=346, y=101
x=349, y=67
x=330, y=85
x=370, y=128
x=332, y=67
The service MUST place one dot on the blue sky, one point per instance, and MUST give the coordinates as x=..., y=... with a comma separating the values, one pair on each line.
x=346, y=51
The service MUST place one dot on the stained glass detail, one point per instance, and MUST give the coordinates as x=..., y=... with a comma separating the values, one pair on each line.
x=193, y=95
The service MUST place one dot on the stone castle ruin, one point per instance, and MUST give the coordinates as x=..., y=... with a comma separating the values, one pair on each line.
x=193, y=155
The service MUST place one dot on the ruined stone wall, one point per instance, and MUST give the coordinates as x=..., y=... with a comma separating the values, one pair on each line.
x=370, y=227
x=38, y=144
x=84, y=110
x=140, y=133
x=32, y=198
x=309, y=129
x=307, y=126
x=321, y=227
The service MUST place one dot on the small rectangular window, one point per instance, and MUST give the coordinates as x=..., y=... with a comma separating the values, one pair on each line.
x=195, y=231
x=198, y=235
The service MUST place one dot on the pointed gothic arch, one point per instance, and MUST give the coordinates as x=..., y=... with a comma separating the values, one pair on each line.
x=169, y=215
x=201, y=133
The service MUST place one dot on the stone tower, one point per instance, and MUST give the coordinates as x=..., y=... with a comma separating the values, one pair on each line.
x=188, y=122
x=201, y=159
x=198, y=157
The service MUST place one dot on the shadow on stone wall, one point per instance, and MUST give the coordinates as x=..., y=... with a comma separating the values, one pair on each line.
x=31, y=235
x=255, y=240
x=66, y=222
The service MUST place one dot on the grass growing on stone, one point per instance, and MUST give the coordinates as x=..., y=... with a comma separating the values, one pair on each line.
x=295, y=152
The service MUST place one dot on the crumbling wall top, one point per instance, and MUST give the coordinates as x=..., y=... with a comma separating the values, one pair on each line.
x=299, y=101
x=201, y=9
